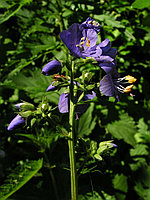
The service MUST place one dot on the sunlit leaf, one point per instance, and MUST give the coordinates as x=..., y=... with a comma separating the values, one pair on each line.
x=19, y=176
x=124, y=129
x=140, y=4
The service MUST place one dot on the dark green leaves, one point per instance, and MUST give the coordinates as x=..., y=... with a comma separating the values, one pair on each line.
x=19, y=176
x=109, y=20
x=86, y=122
x=124, y=128
x=121, y=186
x=140, y=4
x=10, y=12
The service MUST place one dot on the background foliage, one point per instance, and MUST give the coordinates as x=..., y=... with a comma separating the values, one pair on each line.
x=29, y=38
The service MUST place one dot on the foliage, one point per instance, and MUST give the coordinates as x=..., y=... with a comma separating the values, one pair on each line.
x=29, y=38
x=19, y=177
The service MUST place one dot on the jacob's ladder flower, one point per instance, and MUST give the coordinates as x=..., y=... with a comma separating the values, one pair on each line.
x=112, y=85
x=18, y=120
x=51, y=68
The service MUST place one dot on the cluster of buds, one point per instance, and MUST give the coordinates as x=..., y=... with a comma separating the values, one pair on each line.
x=27, y=110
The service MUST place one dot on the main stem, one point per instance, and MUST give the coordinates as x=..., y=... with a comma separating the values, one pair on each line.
x=71, y=143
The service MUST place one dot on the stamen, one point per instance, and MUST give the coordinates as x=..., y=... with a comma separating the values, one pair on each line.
x=130, y=79
x=82, y=38
x=88, y=43
x=90, y=22
x=120, y=89
x=128, y=88
x=94, y=23
x=82, y=42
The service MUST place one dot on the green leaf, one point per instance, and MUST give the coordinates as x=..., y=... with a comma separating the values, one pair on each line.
x=129, y=33
x=109, y=20
x=10, y=12
x=86, y=122
x=124, y=128
x=35, y=85
x=139, y=150
x=143, y=185
x=140, y=4
x=120, y=184
x=19, y=176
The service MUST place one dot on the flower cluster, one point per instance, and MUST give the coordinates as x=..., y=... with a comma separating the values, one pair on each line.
x=81, y=40
x=20, y=118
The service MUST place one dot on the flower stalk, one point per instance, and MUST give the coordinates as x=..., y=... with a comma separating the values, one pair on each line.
x=71, y=141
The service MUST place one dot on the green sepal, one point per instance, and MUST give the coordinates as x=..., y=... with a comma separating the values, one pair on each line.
x=90, y=87
x=33, y=121
x=27, y=106
x=26, y=113
x=98, y=157
x=104, y=147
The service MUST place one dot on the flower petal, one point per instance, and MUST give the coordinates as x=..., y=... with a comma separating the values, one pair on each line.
x=106, y=86
x=51, y=87
x=16, y=122
x=63, y=104
x=51, y=68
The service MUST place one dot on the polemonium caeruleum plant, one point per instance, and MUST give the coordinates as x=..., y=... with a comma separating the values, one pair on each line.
x=80, y=90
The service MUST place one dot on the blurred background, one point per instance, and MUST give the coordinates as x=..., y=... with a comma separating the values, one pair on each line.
x=29, y=38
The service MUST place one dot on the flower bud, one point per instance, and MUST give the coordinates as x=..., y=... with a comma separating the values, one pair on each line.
x=25, y=106
x=16, y=122
x=44, y=106
x=51, y=68
x=51, y=87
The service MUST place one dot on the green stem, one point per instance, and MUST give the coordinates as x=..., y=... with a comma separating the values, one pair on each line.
x=52, y=177
x=71, y=142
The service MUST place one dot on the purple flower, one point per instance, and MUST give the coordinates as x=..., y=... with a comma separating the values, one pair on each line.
x=51, y=87
x=81, y=43
x=112, y=85
x=106, y=48
x=114, y=145
x=19, y=105
x=16, y=122
x=90, y=24
x=83, y=107
x=51, y=68
x=64, y=102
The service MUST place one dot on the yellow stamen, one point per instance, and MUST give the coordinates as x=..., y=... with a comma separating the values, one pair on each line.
x=82, y=42
x=82, y=38
x=130, y=79
x=90, y=22
x=128, y=88
x=88, y=43
x=94, y=23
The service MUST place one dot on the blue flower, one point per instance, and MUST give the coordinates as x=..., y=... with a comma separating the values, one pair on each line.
x=19, y=105
x=18, y=120
x=51, y=68
x=51, y=87
x=112, y=85
x=90, y=24
x=107, y=50
x=63, y=104
x=81, y=43
x=64, y=98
